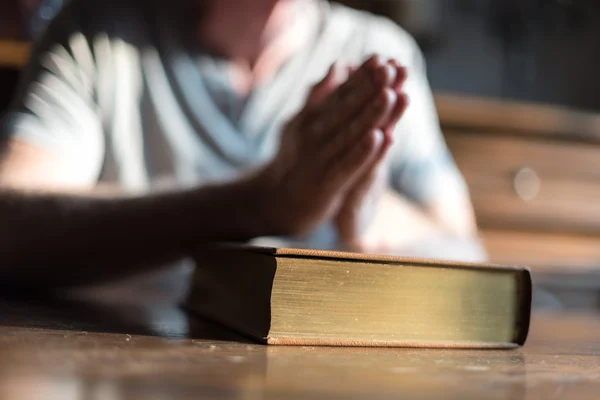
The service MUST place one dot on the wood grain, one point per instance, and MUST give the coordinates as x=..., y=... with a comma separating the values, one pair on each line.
x=534, y=177
x=79, y=351
x=568, y=177
x=13, y=54
x=537, y=120
x=545, y=251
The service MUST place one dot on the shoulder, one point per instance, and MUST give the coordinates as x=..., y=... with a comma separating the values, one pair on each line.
x=82, y=42
x=377, y=34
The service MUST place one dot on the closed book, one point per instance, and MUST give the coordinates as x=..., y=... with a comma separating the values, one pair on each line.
x=284, y=296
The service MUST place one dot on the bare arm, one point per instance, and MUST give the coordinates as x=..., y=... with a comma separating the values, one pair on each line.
x=56, y=232
x=56, y=229
x=443, y=231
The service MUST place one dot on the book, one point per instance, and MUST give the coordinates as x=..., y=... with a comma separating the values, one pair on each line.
x=283, y=296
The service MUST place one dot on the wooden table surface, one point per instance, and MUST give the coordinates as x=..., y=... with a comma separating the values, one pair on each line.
x=65, y=350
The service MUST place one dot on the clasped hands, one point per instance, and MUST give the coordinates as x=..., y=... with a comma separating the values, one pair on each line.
x=330, y=164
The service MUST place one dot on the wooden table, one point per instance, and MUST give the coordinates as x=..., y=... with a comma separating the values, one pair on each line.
x=65, y=350
x=13, y=54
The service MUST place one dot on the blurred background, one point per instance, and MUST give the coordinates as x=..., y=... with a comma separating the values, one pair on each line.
x=516, y=87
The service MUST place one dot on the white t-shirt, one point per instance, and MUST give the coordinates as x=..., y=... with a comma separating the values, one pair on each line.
x=114, y=86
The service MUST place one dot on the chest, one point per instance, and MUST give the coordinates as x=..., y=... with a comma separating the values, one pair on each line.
x=180, y=118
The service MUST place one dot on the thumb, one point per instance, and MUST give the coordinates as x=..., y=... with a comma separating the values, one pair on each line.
x=334, y=78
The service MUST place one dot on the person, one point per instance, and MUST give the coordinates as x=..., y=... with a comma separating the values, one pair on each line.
x=142, y=129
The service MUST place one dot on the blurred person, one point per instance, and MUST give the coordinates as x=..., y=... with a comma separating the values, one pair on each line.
x=142, y=129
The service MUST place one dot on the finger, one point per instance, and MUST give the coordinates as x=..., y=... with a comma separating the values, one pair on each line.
x=370, y=117
x=335, y=77
x=399, y=109
x=380, y=78
x=325, y=86
x=376, y=165
x=386, y=99
x=368, y=122
x=338, y=112
x=353, y=164
x=351, y=131
x=360, y=158
x=372, y=74
x=372, y=178
x=401, y=75
x=388, y=141
x=346, y=72
x=350, y=70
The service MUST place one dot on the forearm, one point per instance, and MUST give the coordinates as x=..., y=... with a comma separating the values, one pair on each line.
x=49, y=240
x=445, y=247
x=400, y=227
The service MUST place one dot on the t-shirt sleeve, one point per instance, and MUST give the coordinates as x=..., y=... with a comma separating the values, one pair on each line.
x=56, y=106
x=422, y=167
